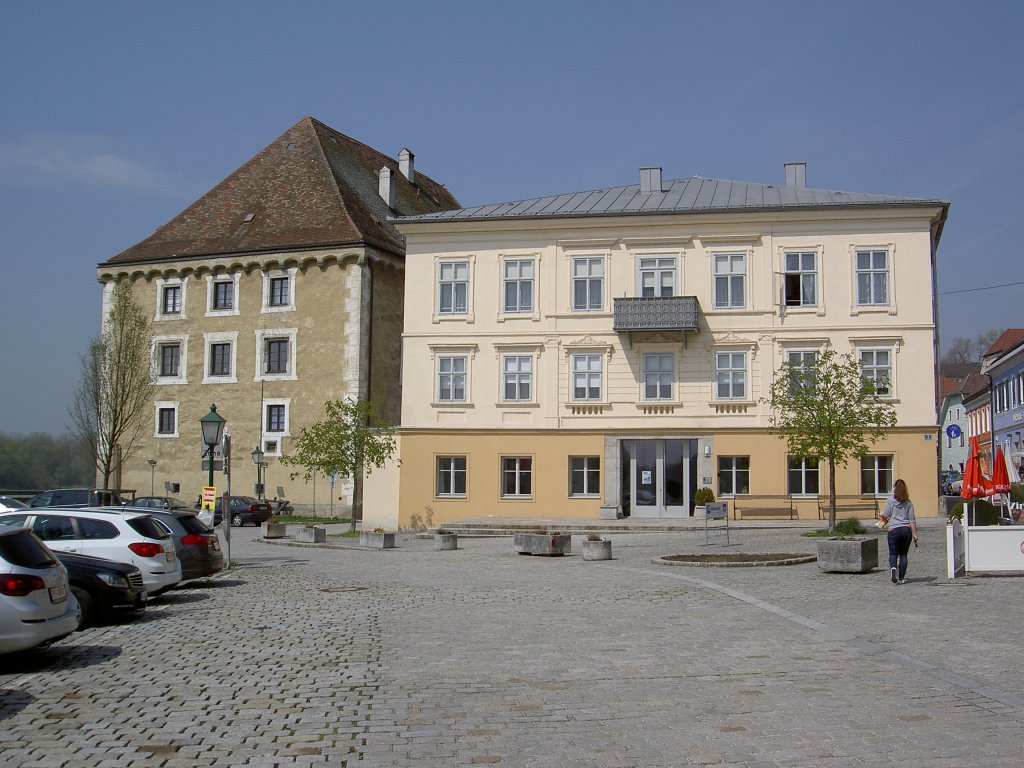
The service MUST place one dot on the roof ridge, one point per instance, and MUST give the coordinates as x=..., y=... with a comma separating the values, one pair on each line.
x=322, y=154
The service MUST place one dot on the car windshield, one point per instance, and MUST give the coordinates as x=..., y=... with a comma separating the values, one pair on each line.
x=23, y=549
x=192, y=524
x=148, y=527
x=12, y=503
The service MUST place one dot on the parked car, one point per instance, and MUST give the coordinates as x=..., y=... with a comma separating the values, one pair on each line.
x=197, y=546
x=245, y=509
x=74, y=497
x=37, y=606
x=11, y=504
x=103, y=588
x=160, y=502
x=124, y=537
x=950, y=482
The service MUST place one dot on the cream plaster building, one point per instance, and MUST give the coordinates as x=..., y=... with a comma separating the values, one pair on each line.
x=605, y=353
x=279, y=289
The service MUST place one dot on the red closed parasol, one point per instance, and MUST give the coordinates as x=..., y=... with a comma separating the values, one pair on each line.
x=1000, y=477
x=975, y=484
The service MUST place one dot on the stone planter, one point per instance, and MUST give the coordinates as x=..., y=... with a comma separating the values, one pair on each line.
x=273, y=530
x=700, y=512
x=376, y=540
x=848, y=554
x=311, y=534
x=444, y=541
x=597, y=550
x=548, y=544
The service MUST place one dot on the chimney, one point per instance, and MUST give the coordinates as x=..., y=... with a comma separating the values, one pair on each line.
x=386, y=186
x=796, y=174
x=650, y=179
x=405, y=165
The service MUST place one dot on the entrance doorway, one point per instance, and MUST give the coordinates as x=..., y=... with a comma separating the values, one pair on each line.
x=659, y=477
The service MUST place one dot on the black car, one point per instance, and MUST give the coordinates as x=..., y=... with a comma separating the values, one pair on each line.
x=103, y=588
x=245, y=509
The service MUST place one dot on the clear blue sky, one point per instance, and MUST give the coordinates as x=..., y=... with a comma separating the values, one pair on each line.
x=118, y=114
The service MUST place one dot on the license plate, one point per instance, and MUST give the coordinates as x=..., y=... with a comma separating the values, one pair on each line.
x=58, y=594
x=170, y=556
x=215, y=545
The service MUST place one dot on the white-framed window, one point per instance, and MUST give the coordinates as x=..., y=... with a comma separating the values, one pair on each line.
x=659, y=372
x=801, y=278
x=279, y=290
x=802, y=476
x=170, y=298
x=453, y=287
x=276, y=423
x=585, y=476
x=876, y=367
x=170, y=359
x=516, y=477
x=451, y=378
x=876, y=475
x=656, y=276
x=451, y=477
x=222, y=294
x=518, y=277
x=733, y=475
x=872, y=267
x=803, y=363
x=220, y=356
x=166, y=423
x=588, y=283
x=587, y=370
x=276, y=353
x=517, y=378
x=731, y=375
x=730, y=271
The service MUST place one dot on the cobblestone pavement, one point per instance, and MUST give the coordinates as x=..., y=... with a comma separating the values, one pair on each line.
x=308, y=656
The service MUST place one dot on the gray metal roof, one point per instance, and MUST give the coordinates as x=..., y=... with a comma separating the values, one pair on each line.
x=692, y=195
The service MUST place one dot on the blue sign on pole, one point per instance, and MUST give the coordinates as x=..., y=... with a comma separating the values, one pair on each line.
x=953, y=431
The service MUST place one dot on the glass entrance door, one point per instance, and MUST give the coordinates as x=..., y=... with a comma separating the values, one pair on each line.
x=660, y=477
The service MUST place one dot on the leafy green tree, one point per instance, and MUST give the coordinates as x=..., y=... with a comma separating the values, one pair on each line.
x=830, y=411
x=115, y=391
x=349, y=441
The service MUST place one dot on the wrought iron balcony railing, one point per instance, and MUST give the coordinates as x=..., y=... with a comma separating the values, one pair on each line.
x=670, y=313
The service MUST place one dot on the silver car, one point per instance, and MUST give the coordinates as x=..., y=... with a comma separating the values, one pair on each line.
x=36, y=604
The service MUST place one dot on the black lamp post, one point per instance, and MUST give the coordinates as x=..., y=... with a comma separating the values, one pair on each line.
x=152, y=475
x=213, y=432
x=257, y=459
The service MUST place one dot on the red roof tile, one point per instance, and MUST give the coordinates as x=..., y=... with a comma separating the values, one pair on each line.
x=312, y=186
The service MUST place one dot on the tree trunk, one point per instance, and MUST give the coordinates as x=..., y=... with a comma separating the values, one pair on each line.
x=831, y=494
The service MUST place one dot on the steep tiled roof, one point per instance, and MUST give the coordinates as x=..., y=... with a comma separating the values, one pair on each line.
x=959, y=371
x=973, y=384
x=691, y=195
x=312, y=186
x=1010, y=338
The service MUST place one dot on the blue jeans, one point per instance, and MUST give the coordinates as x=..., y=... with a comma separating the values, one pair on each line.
x=899, y=545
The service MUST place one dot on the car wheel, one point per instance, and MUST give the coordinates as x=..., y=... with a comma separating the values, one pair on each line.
x=85, y=603
x=236, y=520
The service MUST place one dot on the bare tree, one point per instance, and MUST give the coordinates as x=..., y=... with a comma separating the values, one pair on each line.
x=964, y=350
x=116, y=388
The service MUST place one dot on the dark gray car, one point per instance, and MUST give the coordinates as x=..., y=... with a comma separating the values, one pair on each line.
x=197, y=546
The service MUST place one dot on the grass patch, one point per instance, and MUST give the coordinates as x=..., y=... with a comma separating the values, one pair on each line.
x=310, y=519
x=849, y=527
x=345, y=535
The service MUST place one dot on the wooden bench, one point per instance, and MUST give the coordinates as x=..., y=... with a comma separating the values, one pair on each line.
x=762, y=506
x=846, y=504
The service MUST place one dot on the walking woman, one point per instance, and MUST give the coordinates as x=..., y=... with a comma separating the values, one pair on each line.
x=899, y=516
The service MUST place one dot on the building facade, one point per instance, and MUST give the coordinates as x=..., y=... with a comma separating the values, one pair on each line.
x=607, y=353
x=281, y=288
x=1004, y=363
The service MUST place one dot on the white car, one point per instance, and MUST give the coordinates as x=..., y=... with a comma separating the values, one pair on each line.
x=36, y=605
x=125, y=537
x=11, y=504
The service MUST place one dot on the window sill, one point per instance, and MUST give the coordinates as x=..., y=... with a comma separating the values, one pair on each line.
x=219, y=380
x=657, y=407
x=453, y=405
x=517, y=404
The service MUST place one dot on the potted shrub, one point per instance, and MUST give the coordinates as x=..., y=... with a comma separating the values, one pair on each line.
x=542, y=543
x=444, y=540
x=596, y=547
x=701, y=499
x=377, y=539
x=848, y=551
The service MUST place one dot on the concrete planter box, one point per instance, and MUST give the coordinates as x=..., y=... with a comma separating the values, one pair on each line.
x=853, y=554
x=445, y=541
x=547, y=544
x=700, y=512
x=311, y=535
x=376, y=540
x=273, y=530
x=597, y=550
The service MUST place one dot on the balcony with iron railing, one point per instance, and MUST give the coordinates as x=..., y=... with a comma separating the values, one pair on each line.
x=657, y=313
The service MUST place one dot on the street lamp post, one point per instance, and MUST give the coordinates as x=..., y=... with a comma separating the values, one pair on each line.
x=152, y=475
x=213, y=432
x=257, y=459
